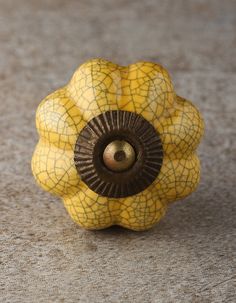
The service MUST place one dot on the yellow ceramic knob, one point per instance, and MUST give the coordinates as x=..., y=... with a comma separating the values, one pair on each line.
x=117, y=145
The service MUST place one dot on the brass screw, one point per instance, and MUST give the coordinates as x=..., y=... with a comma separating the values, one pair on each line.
x=119, y=155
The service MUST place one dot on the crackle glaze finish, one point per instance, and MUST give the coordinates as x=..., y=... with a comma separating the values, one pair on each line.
x=99, y=86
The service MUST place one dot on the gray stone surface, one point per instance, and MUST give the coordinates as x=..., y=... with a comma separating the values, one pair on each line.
x=191, y=255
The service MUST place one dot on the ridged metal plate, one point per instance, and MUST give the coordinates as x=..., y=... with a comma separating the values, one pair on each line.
x=118, y=125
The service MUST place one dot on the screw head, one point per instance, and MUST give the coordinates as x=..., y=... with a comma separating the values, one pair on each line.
x=119, y=155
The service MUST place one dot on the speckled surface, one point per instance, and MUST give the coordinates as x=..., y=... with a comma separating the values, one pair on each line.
x=191, y=255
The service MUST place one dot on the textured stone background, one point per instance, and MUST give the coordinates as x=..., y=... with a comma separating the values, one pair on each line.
x=191, y=255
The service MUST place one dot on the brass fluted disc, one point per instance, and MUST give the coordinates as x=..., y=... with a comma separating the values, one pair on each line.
x=112, y=126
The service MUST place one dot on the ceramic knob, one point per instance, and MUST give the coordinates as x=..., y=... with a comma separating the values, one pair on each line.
x=118, y=145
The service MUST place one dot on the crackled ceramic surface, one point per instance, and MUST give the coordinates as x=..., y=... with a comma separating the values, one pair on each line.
x=97, y=89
